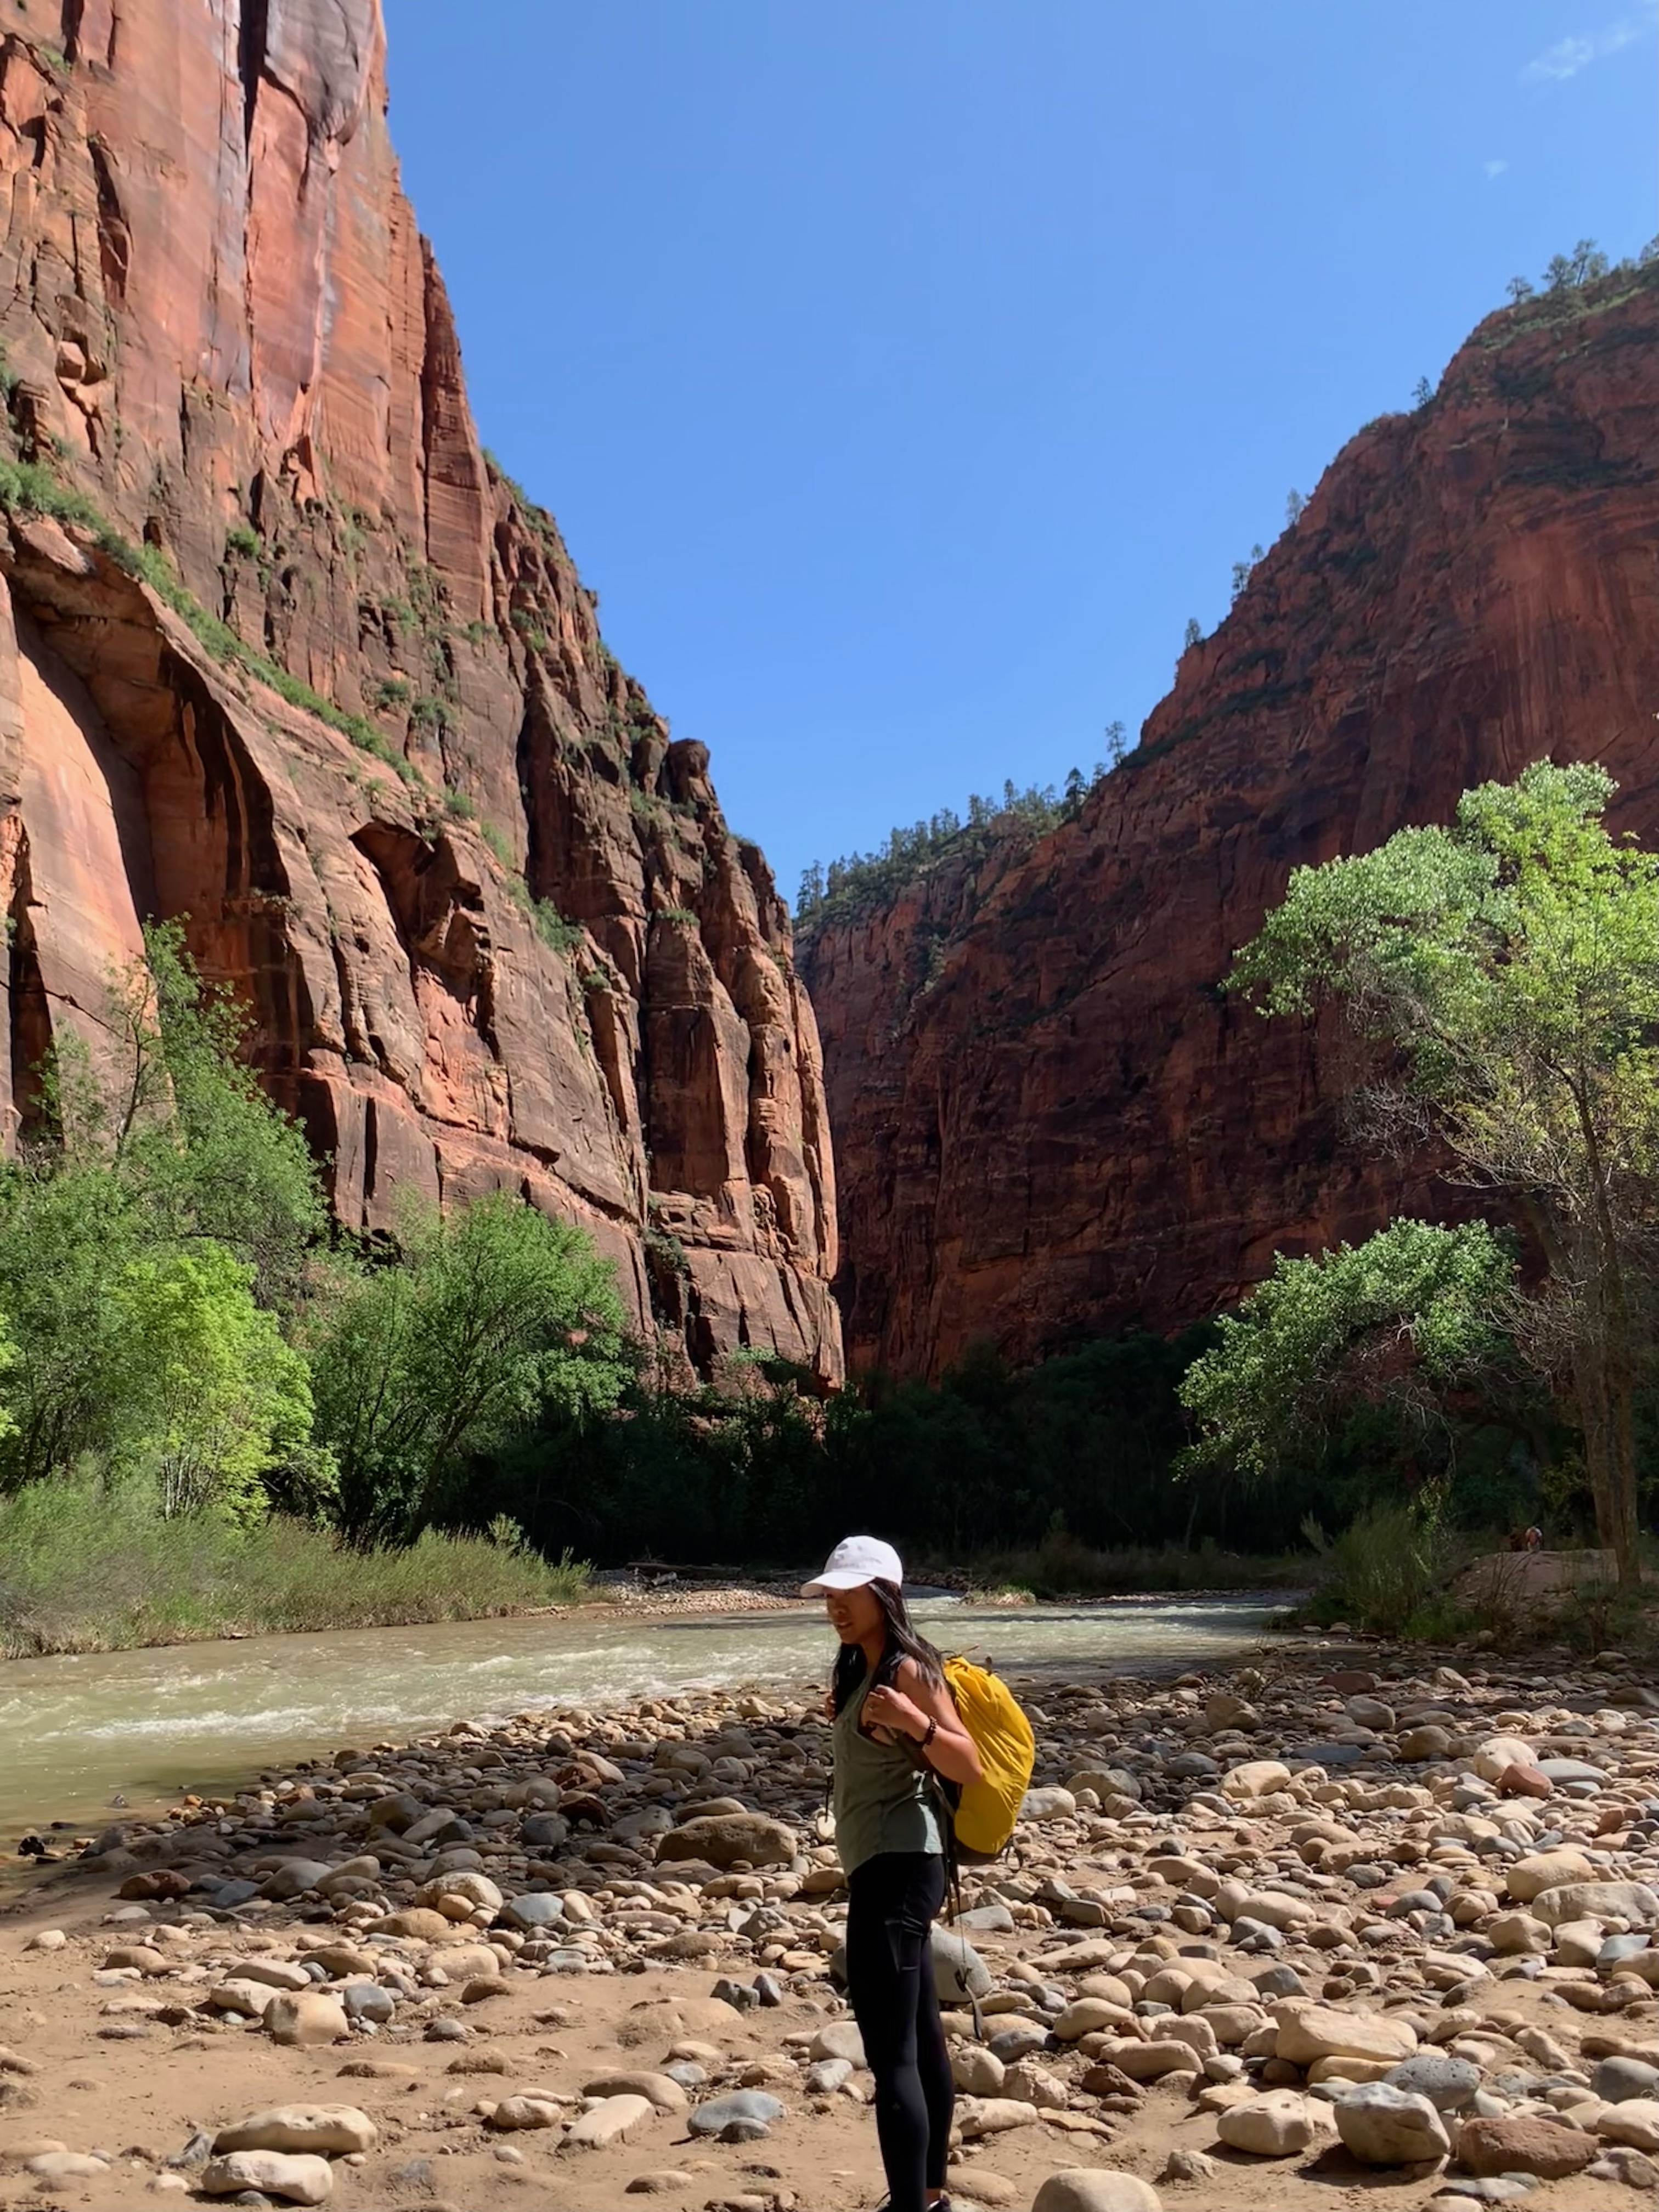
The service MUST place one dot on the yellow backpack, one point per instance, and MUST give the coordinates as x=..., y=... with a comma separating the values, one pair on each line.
x=985, y=1811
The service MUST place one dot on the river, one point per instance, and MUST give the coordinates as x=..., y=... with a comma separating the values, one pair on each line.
x=79, y=1730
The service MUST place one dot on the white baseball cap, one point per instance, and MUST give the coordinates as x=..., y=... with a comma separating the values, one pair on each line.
x=855, y=1561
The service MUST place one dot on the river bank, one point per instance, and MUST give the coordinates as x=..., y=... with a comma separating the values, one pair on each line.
x=521, y=1962
x=92, y=1570
x=80, y=1734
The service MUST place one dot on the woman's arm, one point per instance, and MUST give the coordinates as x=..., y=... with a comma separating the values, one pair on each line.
x=907, y=1708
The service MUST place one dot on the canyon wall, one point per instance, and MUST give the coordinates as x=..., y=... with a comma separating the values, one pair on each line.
x=1049, y=1123
x=283, y=655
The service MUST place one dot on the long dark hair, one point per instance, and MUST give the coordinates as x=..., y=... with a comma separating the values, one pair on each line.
x=901, y=1643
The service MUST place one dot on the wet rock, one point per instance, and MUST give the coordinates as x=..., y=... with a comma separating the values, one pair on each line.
x=295, y=2179
x=1382, y=2125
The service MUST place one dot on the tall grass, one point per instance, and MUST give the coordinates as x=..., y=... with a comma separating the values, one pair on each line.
x=1062, y=1566
x=87, y=1568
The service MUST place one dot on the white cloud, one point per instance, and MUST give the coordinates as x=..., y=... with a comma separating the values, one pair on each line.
x=1493, y=169
x=1568, y=56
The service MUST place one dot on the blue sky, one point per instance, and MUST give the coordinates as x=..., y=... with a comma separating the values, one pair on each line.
x=904, y=372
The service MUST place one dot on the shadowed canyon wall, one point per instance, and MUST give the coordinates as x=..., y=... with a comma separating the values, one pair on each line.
x=350, y=715
x=1048, y=1122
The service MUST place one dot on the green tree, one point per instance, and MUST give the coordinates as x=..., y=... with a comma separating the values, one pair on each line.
x=193, y=1133
x=1411, y=1314
x=66, y=1235
x=488, y=1316
x=215, y=1398
x=1510, y=962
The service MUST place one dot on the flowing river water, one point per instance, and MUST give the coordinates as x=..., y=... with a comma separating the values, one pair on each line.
x=80, y=1731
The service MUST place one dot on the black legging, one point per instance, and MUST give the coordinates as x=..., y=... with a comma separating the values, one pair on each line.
x=889, y=1977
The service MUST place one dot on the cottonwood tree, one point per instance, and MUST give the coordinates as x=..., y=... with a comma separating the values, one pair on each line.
x=490, y=1314
x=1411, y=1316
x=1511, y=962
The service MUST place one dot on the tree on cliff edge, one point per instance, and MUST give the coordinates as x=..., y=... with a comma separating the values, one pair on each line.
x=1512, y=963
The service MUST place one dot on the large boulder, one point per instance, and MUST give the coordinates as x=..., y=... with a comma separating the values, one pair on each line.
x=1382, y=2125
x=331, y=2131
x=298, y=2179
x=723, y=1839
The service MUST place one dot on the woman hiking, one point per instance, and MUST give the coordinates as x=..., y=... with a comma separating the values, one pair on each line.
x=895, y=1729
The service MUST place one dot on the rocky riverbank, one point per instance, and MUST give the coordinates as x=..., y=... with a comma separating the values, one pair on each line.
x=1261, y=1940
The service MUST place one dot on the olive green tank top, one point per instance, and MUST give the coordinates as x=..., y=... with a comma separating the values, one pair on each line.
x=882, y=1801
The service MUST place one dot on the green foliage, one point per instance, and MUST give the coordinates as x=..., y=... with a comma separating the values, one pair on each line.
x=680, y=913
x=143, y=1248
x=491, y=1317
x=457, y=806
x=221, y=1399
x=1511, y=963
x=1408, y=1315
x=500, y=845
x=554, y=929
x=1389, y=1567
x=27, y=488
x=88, y=1565
x=243, y=542
x=860, y=880
x=392, y=692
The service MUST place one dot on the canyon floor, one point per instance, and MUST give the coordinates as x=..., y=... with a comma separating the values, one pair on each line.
x=529, y=1964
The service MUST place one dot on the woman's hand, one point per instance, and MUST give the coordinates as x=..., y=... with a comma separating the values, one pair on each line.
x=891, y=1708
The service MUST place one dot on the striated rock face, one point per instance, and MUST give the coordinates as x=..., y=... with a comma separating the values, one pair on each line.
x=348, y=712
x=1047, y=1121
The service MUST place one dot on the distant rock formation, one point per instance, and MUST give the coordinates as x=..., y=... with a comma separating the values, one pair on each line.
x=1049, y=1121
x=346, y=709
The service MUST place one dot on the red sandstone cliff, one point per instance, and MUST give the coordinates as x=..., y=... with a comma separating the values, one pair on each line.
x=223, y=331
x=1047, y=1121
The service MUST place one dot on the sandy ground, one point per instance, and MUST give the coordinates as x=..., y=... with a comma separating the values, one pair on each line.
x=140, y=2100
x=130, y=2068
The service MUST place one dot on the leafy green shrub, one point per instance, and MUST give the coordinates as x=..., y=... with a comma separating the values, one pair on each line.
x=500, y=845
x=458, y=806
x=553, y=928
x=1391, y=1563
x=88, y=1565
x=243, y=542
x=491, y=1315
